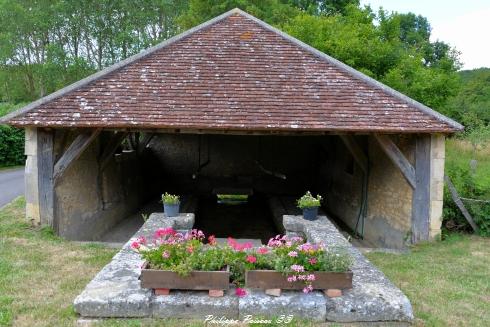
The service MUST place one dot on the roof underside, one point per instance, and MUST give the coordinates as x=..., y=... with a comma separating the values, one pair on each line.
x=235, y=73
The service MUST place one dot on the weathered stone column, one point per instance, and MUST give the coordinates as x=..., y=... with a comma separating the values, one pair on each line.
x=437, y=156
x=31, y=177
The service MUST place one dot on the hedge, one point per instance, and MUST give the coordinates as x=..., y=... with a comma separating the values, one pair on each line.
x=11, y=146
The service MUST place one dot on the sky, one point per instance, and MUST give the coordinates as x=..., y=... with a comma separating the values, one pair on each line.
x=465, y=25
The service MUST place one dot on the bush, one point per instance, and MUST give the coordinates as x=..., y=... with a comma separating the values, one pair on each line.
x=468, y=186
x=11, y=146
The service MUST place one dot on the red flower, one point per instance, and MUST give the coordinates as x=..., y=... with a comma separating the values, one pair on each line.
x=240, y=292
x=212, y=240
x=312, y=261
x=237, y=246
x=135, y=245
x=251, y=259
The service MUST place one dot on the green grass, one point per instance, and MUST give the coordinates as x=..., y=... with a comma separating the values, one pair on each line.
x=40, y=274
x=447, y=282
x=459, y=153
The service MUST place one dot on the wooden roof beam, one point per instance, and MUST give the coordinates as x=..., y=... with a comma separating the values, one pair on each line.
x=397, y=157
x=356, y=151
x=73, y=152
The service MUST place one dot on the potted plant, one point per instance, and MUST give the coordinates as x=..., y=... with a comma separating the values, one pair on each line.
x=171, y=204
x=182, y=261
x=292, y=263
x=310, y=205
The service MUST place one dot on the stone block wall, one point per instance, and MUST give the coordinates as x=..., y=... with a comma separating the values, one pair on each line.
x=88, y=202
x=31, y=177
x=437, y=155
x=389, y=199
x=389, y=217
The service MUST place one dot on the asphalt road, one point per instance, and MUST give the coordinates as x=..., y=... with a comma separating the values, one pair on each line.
x=11, y=184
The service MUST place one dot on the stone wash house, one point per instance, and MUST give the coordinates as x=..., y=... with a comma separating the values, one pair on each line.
x=235, y=106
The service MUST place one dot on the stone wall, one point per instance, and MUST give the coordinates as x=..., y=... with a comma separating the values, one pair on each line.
x=88, y=202
x=389, y=219
x=437, y=155
x=31, y=177
x=389, y=198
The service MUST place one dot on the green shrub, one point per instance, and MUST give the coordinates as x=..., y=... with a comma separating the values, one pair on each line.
x=11, y=146
x=468, y=186
x=168, y=198
x=309, y=201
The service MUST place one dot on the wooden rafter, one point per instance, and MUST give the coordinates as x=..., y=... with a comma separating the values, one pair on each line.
x=73, y=152
x=397, y=157
x=111, y=148
x=356, y=151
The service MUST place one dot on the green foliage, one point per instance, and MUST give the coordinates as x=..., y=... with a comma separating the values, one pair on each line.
x=45, y=45
x=308, y=201
x=11, y=146
x=168, y=198
x=472, y=103
x=471, y=183
x=393, y=48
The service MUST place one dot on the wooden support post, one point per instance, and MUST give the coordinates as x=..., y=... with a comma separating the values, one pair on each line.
x=459, y=203
x=45, y=162
x=73, y=152
x=421, y=193
x=111, y=148
x=397, y=158
x=144, y=142
x=356, y=151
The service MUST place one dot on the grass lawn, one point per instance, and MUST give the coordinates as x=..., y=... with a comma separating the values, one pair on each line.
x=40, y=275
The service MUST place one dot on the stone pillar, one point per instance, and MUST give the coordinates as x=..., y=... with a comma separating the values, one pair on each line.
x=437, y=156
x=31, y=177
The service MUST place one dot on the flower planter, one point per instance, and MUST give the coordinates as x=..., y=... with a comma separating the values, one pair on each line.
x=271, y=279
x=310, y=213
x=196, y=280
x=171, y=210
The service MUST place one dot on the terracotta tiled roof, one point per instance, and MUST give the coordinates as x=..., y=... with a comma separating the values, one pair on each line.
x=233, y=73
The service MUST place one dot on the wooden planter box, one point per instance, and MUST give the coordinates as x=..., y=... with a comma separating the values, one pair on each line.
x=271, y=279
x=197, y=280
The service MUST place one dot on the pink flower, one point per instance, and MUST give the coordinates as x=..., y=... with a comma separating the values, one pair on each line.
x=240, y=292
x=165, y=254
x=297, y=239
x=312, y=261
x=164, y=232
x=135, y=245
x=237, y=246
x=310, y=277
x=190, y=249
x=251, y=259
x=142, y=240
x=263, y=250
x=297, y=268
x=308, y=289
x=293, y=254
x=292, y=279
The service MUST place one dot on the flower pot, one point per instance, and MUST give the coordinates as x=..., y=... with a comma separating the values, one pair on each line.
x=310, y=213
x=196, y=280
x=270, y=279
x=171, y=210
